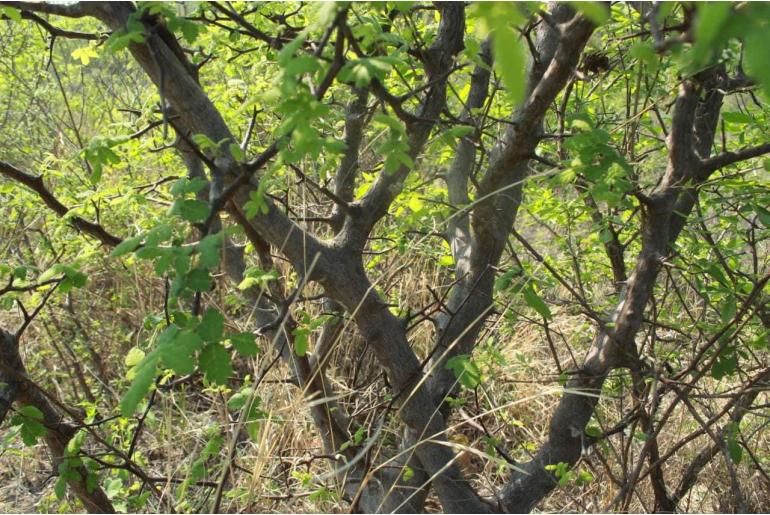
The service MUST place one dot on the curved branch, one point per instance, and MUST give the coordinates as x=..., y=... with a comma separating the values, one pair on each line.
x=56, y=31
x=36, y=184
x=75, y=10
x=728, y=158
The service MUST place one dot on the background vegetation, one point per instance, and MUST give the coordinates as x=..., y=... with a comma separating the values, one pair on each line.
x=396, y=256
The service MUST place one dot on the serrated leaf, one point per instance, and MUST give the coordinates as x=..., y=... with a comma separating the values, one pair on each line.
x=465, y=370
x=140, y=385
x=177, y=351
x=192, y=210
x=215, y=362
x=208, y=249
x=198, y=280
x=212, y=325
x=244, y=343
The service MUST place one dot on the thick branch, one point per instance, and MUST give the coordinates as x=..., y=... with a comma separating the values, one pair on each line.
x=58, y=432
x=438, y=59
x=73, y=10
x=566, y=436
x=58, y=32
x=36, y=184
x=729, y=158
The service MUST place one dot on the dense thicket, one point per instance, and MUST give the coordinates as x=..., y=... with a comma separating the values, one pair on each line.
x=384, y=257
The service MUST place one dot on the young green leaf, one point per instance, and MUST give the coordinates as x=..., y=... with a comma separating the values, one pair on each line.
x=29, y=419
x=534, y=301
x=465, y=370
x=126, y=246
x=143, y=378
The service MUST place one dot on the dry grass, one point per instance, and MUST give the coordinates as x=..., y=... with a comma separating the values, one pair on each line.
x=281, y=470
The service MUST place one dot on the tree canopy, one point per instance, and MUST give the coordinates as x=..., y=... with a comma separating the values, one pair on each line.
x=384, y=257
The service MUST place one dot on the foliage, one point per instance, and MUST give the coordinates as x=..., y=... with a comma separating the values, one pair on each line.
x=395, y=209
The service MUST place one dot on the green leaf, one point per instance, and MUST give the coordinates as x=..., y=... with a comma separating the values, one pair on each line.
x=237, y=153
x=189, y=29
x=112, y=487
x=176, y=348
x=504, y=281
x=725, y=364
x=645, y=53
x=593, y=431
x=710, y=18
x=10, y=12
x=361, y=72
x=763, y=215
x=192, y=210
x=208, y=248
x=734, y=447
x=198, y=280
x=736, y=117
x=215, y=362
x=728, y=310
x=133, y=32
x=60, y=488
x=238, y=400
x=244, y=343
x=460, y=131
x=212, y=325
x=126, y=246
x=465, y=370
x=85, y=54
x=301, y=340
x=594, y=11
x=534, y=301
x=134, y=357
x=509, y=61
x=185, y=185
x=143, y=378
x=30, y=419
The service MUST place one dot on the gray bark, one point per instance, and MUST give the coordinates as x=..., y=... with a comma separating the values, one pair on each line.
x=664, y=213
x=59, y=433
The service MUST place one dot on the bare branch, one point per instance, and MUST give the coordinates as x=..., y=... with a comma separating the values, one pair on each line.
x=36, y=184
x=56, y=31
x=73, y=10
x=729, y=158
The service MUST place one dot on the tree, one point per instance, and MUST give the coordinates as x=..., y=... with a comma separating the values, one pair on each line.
x=256, y=184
